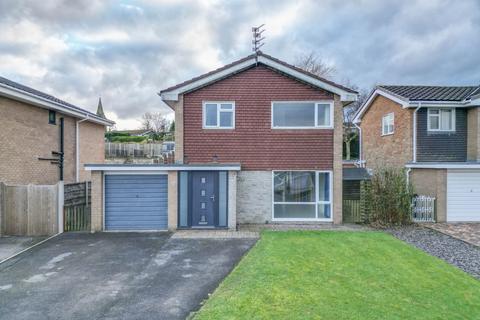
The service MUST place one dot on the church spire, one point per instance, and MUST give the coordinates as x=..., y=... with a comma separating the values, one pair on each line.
x=100, y=112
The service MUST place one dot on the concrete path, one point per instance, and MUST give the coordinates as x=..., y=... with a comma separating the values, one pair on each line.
x=468, y=232
x=215, y=234
x=12, y=245
x=116, y=276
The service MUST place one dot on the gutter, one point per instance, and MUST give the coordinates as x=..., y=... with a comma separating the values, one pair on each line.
x=77, y=148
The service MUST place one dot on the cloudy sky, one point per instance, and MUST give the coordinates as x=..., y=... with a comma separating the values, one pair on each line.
x=126, y=51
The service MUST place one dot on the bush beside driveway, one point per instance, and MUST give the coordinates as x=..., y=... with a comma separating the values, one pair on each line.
x=115, y=276
x=342, y=275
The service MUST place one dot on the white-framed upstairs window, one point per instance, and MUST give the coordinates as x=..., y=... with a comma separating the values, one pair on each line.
x=218, y=115
x=441, y=119
x=302, y=195
x=388, y=124
x=302, y=114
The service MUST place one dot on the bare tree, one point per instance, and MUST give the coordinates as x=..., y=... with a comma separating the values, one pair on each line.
x=155, y=121
x=146, y=121
x=312, y=63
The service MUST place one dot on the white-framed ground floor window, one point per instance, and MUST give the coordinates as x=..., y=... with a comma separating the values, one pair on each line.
x=302, y=195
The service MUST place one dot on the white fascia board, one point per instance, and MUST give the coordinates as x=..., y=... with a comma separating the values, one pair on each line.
x=154, y=168
x=378, y=92
x=344, y=95
x=166, y=96
x=442, y=166
x=26, y=97
x=173, y=95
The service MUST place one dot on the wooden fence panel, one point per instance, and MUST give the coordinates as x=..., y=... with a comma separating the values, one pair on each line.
x=77, y=206
x=42, y=213
x=352, y=211
x=30, y=210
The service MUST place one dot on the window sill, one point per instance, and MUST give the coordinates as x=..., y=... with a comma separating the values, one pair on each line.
x=302, y=219
x=388, y=134
x=302, y=128
x=217, y=128
x=441, y=131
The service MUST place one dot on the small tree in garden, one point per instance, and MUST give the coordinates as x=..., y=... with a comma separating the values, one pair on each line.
x=389, y=198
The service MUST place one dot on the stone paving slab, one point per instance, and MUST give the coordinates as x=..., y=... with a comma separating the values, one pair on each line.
x=468, y=232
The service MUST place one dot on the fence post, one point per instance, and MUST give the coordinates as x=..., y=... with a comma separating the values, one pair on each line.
x=86, y=193
x=60, y=203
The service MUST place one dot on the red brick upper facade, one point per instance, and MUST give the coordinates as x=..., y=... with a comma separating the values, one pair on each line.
x=393, y=150
x=253, y=142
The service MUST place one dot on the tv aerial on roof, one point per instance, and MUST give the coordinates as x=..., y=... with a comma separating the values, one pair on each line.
x=258, y=39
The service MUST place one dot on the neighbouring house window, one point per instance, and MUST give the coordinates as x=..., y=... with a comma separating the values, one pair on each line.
x=219, y=115
x=302, y=114
x=441, y=119
x=388, y=124
x=302, y=195
x=52, y=117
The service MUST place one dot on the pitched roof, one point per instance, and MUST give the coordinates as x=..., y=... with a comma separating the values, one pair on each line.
x=4, y=82
x=245, y=63
x=433, y=93
x=356, y=174
x=413, y=96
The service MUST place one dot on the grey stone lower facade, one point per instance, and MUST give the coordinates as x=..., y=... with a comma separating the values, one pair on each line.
x=254, y=197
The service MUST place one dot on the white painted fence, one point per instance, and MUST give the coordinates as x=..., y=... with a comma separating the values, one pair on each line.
x=134, y=150
x=423, y=209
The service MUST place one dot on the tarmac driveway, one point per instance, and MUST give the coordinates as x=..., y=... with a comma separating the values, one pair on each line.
x=115, y=276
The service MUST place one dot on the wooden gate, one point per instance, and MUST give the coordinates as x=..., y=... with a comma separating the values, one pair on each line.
x=77, y=206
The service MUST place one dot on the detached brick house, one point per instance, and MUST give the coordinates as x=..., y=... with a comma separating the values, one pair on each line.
x=36, y=127
x=433, y=132
x=257, y=141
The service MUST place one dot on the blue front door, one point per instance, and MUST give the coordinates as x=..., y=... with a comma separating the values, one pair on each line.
x=204, y=208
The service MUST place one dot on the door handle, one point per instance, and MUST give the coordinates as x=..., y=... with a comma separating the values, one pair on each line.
x=213, y=197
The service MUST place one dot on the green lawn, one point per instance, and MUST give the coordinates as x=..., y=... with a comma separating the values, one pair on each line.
x=342, y=275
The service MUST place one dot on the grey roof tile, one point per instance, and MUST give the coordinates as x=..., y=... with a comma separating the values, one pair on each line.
x=432, y=93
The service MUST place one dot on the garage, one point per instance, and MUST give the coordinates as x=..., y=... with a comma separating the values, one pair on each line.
x=136, y=202
x=463, y=195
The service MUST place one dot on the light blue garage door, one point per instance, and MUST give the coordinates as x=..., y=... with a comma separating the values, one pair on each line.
x=136, y=202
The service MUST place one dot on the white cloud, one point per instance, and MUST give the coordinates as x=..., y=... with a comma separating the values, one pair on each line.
x=128, y=51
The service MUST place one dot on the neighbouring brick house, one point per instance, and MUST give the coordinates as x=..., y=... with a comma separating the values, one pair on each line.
x=257, y=141
x=434, y=132
x=31, y=129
